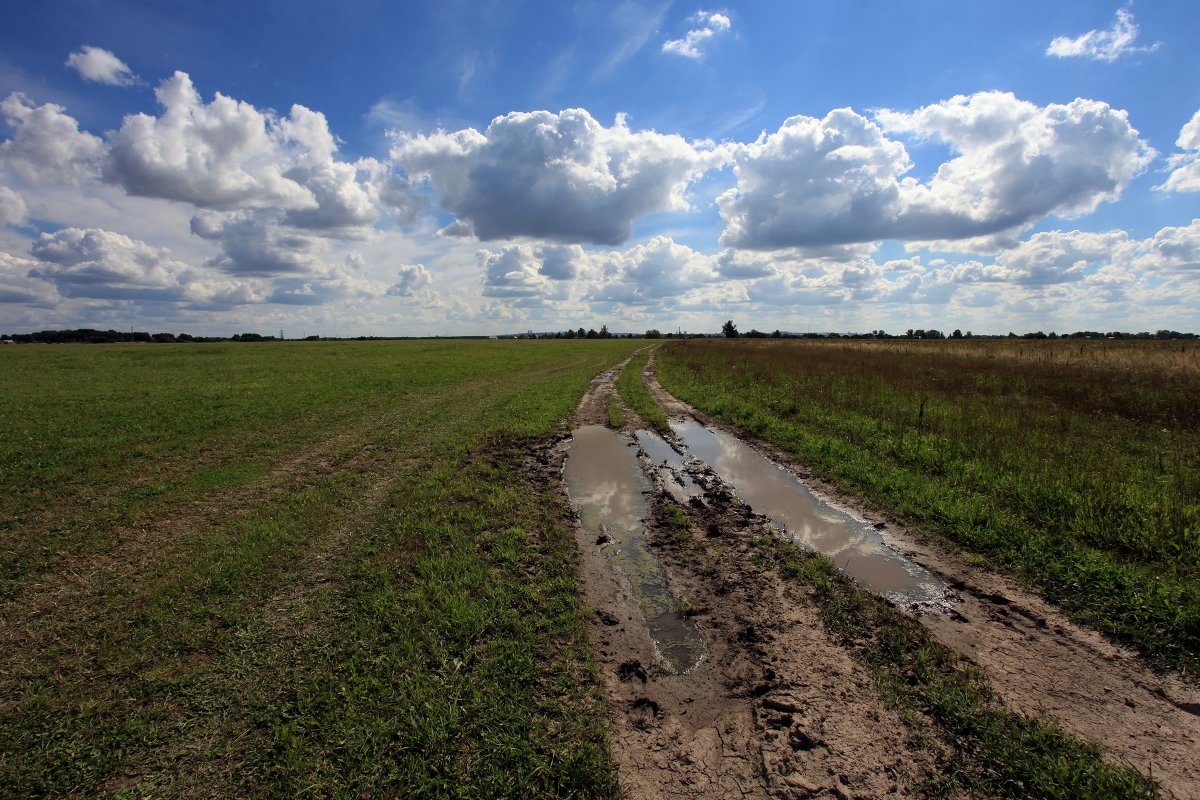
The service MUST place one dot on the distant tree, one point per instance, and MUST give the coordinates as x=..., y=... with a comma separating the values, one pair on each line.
x=604, y=334
x=653, y=333
x=591, y=334
x=755, y=334
x=778, y=334
x=729, y=329
x=580, y=334
x=957, y=334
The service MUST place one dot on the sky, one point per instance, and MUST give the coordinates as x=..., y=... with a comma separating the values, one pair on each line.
x=476, y=167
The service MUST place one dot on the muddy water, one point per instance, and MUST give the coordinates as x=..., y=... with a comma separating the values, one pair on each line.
x=606, y=484
x=857, y=548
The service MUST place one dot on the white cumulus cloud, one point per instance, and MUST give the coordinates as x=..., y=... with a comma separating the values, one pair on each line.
x=47, y=145
x=12, y=207
x=18, y=286
x=559, y=177
x=1102, y=45
x=95, y=263
x=652, y=274
x=841, y=180
x=1174, y=249
x=708, y=24
x=412, y=278
x=225, y=154
x=254, y=244
x=1185, y=167
x=515, y=273
x=101, y=66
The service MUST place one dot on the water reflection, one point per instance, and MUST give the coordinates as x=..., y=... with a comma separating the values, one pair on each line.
x=771, y=490
x=606, y=484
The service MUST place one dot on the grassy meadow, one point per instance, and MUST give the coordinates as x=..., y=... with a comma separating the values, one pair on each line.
x=291, y=569
x=1072, y=464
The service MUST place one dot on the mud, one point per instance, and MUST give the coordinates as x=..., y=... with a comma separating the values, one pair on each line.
x=607, y=487
x=775, y=708
x=1038, y=661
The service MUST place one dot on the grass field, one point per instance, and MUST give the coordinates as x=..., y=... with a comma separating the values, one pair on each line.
x=322, y=569
x=291, y=569
x=1074, y=465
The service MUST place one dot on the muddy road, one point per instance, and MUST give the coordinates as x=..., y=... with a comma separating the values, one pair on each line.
x=720, y=676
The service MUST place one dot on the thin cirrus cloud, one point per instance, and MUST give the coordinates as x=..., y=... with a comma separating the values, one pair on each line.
x=1102, y=45
x=100, y=66
x=694, y=43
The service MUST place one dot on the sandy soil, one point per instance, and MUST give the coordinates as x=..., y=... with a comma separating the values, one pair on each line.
x=1039, y=663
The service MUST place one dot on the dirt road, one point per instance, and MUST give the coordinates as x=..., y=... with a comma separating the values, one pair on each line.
x=776, y=708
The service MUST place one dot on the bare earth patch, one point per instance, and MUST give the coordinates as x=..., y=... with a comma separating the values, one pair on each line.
x=1038, y=661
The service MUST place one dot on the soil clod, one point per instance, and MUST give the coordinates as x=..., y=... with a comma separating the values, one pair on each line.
x=632, y=669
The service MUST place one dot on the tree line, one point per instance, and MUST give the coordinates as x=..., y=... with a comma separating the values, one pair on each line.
x=729, y=330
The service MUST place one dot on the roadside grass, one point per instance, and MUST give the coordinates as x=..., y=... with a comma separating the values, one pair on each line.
x=984, y=749
x=1072, y=465
x=341, y=583
x=635, y=394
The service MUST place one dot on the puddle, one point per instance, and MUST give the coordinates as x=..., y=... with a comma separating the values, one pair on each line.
x=606, y=484
x=769, y=489
x=670, y=466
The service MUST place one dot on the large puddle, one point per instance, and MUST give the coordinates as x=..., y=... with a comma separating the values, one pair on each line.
x=607, y=486
x=769, y=489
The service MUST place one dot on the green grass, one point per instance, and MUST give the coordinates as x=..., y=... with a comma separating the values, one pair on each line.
x=1071, y=465
x=616, y=418
x=635, y=394
x=292, y=569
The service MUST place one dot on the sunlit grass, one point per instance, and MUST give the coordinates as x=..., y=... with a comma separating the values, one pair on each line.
x=1074, y=465
x=292, y=569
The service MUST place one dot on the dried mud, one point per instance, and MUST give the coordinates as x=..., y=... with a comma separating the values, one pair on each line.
x=1039, y=662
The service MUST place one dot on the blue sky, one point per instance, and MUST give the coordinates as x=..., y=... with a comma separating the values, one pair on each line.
x=479, y=167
